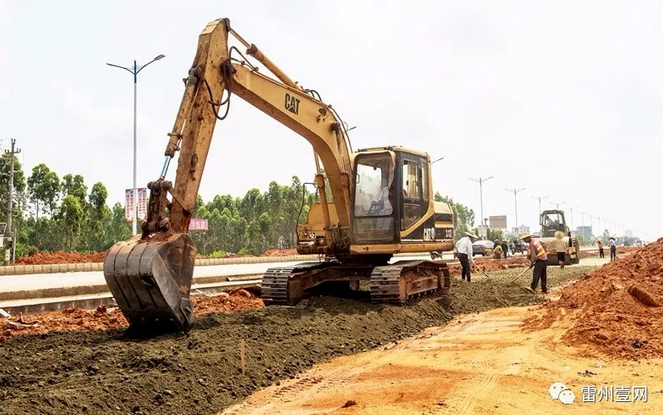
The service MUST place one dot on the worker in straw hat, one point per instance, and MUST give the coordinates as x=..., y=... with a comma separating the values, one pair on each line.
x=613, y=248
x=538, y=261
x=464, y=252
x=559, y=246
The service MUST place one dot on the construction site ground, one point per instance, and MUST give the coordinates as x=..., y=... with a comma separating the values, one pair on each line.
x=478, y=364
x=104, y=371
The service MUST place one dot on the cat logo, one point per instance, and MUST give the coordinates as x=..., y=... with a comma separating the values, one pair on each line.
x=292, y=104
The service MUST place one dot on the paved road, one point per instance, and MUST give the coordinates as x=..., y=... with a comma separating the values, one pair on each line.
x=11, y=283
x=26, y=282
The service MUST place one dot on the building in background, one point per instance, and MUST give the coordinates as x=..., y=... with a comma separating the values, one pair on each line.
x=519, y=230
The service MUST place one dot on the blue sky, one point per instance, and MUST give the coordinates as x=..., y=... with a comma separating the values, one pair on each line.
x=564, y=99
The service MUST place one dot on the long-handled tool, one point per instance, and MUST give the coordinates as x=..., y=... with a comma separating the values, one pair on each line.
x=519, y=275
x=482, y=270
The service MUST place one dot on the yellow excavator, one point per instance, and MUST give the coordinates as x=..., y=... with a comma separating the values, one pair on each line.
x=381, y=200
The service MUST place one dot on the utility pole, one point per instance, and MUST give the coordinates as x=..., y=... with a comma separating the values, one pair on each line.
x=10, y=193
x=515, y=199
x=539, y=198
x=480, y=181
x=571, y=209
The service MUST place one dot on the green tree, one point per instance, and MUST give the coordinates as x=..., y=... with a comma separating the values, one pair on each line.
x=463, y=215
x=44, y=187
x=492, y=234
x=97, y=215
x=117, y=229
x=75, y=186
x=70, y=217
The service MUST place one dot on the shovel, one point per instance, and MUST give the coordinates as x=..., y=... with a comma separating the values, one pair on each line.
x=482, y=270
x=519, y=275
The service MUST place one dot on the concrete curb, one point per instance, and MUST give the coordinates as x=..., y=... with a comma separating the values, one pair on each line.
x=99, y=266
x=100, y=289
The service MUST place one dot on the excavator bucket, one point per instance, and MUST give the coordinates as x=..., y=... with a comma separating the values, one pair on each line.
x=151, y=280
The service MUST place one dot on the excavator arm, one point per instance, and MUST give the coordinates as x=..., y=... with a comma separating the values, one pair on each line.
x=150, y=275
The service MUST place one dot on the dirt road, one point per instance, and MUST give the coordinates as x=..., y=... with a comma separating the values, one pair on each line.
x=104, y=372
x=479, y=364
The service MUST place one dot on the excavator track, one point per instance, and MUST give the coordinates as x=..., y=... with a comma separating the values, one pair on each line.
x=285, y=285
x=400, y=282
x=275, y=285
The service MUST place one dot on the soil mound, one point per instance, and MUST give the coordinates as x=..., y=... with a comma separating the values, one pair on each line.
x=618, y=308
x=60, y=257
x=86, y=320
x=489, y=265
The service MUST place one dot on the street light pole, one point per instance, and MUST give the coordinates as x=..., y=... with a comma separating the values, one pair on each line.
x=480, y=181
x=134, y=71
x=515, y=199
x=557, y=204
x=539, y=198
x=571, y=209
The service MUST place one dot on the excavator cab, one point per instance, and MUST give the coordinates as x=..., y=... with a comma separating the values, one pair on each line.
x=374, y=212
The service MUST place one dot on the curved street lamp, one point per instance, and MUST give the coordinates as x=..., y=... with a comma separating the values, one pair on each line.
x=134, y=70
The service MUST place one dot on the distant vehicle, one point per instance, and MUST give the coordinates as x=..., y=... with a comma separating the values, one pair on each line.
x=484, y=248
x=518, y=247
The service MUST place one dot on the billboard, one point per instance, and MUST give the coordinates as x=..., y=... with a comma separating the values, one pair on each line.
x=142, y=204
x=497, y=222
x=130, y=203
x=197, y=224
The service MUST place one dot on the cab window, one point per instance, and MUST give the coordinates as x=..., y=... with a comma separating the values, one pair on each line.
x=410, y=183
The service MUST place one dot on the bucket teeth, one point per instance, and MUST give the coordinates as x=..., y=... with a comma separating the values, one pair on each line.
x=151, y=280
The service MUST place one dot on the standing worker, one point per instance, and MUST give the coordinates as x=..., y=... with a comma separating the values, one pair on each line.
x=560, y=247
x=505, y=248
x=497, y=251
x=600, y=245
x=464, y=250
x=538, y=261
x=613, y=249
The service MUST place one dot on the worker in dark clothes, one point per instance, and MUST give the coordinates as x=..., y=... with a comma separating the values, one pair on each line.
x=538, y=261
x=613, y=249
x=505, y=248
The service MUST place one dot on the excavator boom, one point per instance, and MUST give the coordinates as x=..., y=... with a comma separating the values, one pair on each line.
x=150, y=275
